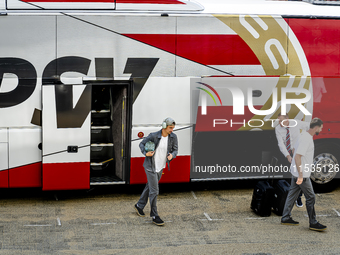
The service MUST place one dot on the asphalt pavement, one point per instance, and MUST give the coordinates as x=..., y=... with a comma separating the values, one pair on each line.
x=210, y=218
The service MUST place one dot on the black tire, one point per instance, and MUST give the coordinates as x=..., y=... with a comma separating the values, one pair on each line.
x=326, y=177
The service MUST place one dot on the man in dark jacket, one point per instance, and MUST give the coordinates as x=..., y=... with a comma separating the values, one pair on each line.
x=166, y=149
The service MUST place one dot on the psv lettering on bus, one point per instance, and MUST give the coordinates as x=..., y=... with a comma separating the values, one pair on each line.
x=27, y=81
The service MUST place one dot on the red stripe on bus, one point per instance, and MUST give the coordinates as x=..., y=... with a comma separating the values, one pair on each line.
x=25, y=176
x=4, y=179
x=319, y=39
x=179, y=171
x=204, y=49
x=66, y=176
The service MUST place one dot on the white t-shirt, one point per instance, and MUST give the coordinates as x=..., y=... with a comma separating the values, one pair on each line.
x=305, y=147
x=160, y=154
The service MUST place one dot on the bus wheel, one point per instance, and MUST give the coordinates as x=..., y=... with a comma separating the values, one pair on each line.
x=326, y=173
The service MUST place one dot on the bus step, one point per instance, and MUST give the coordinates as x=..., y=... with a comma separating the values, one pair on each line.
x=101, y=134
x=100, y=127
x=106, y=180
x=100, y=111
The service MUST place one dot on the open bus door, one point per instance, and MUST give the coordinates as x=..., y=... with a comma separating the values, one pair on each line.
x=86, y=134
x=66, y=123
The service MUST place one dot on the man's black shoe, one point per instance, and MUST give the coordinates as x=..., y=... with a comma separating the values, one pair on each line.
x=317, y=227
x=158, y=221
x=290, y=221
x=139, y=211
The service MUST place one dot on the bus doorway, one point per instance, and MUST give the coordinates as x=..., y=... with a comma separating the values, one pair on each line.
x=111, y=108
x=86, y=129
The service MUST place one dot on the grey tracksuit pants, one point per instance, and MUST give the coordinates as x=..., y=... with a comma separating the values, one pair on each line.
x=294, y=191
x=150, y=191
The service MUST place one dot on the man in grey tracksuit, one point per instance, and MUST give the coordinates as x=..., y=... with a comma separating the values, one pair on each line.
x=166, y=149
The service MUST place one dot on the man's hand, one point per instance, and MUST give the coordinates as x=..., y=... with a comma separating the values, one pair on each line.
x=149, y=153
x=169, y=156
x=289, y=158
x=299, y=180
x=298, y=164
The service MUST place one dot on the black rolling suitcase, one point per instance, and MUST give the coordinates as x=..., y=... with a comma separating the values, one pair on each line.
x=281, y=189
x=261, y=202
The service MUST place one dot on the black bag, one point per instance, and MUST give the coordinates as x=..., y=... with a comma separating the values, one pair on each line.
x=281, y=189
x=262, y=199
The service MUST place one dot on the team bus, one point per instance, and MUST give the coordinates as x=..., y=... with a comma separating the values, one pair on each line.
x=83, y=81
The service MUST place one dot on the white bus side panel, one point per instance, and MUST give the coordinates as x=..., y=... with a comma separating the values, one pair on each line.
x=56, y=140
x=161, y=98
x=24, y=157
x=40, y=5
x=97, y=37
x=29, y=39
x=23, y=146
x=3, y=150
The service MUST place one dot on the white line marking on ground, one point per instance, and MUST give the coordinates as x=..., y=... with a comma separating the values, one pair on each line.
x=33, y=225
x=321, y=215
x=166, y=221
x=254, y=218
x=211, y=219
x=105, y=223
x=193, y=194
x=208, y=217
x=59, y=222
x=336, y=212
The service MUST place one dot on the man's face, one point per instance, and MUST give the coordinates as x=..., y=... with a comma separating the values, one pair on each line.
x=281, y=120
x=169, y=129
x=318, y=129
